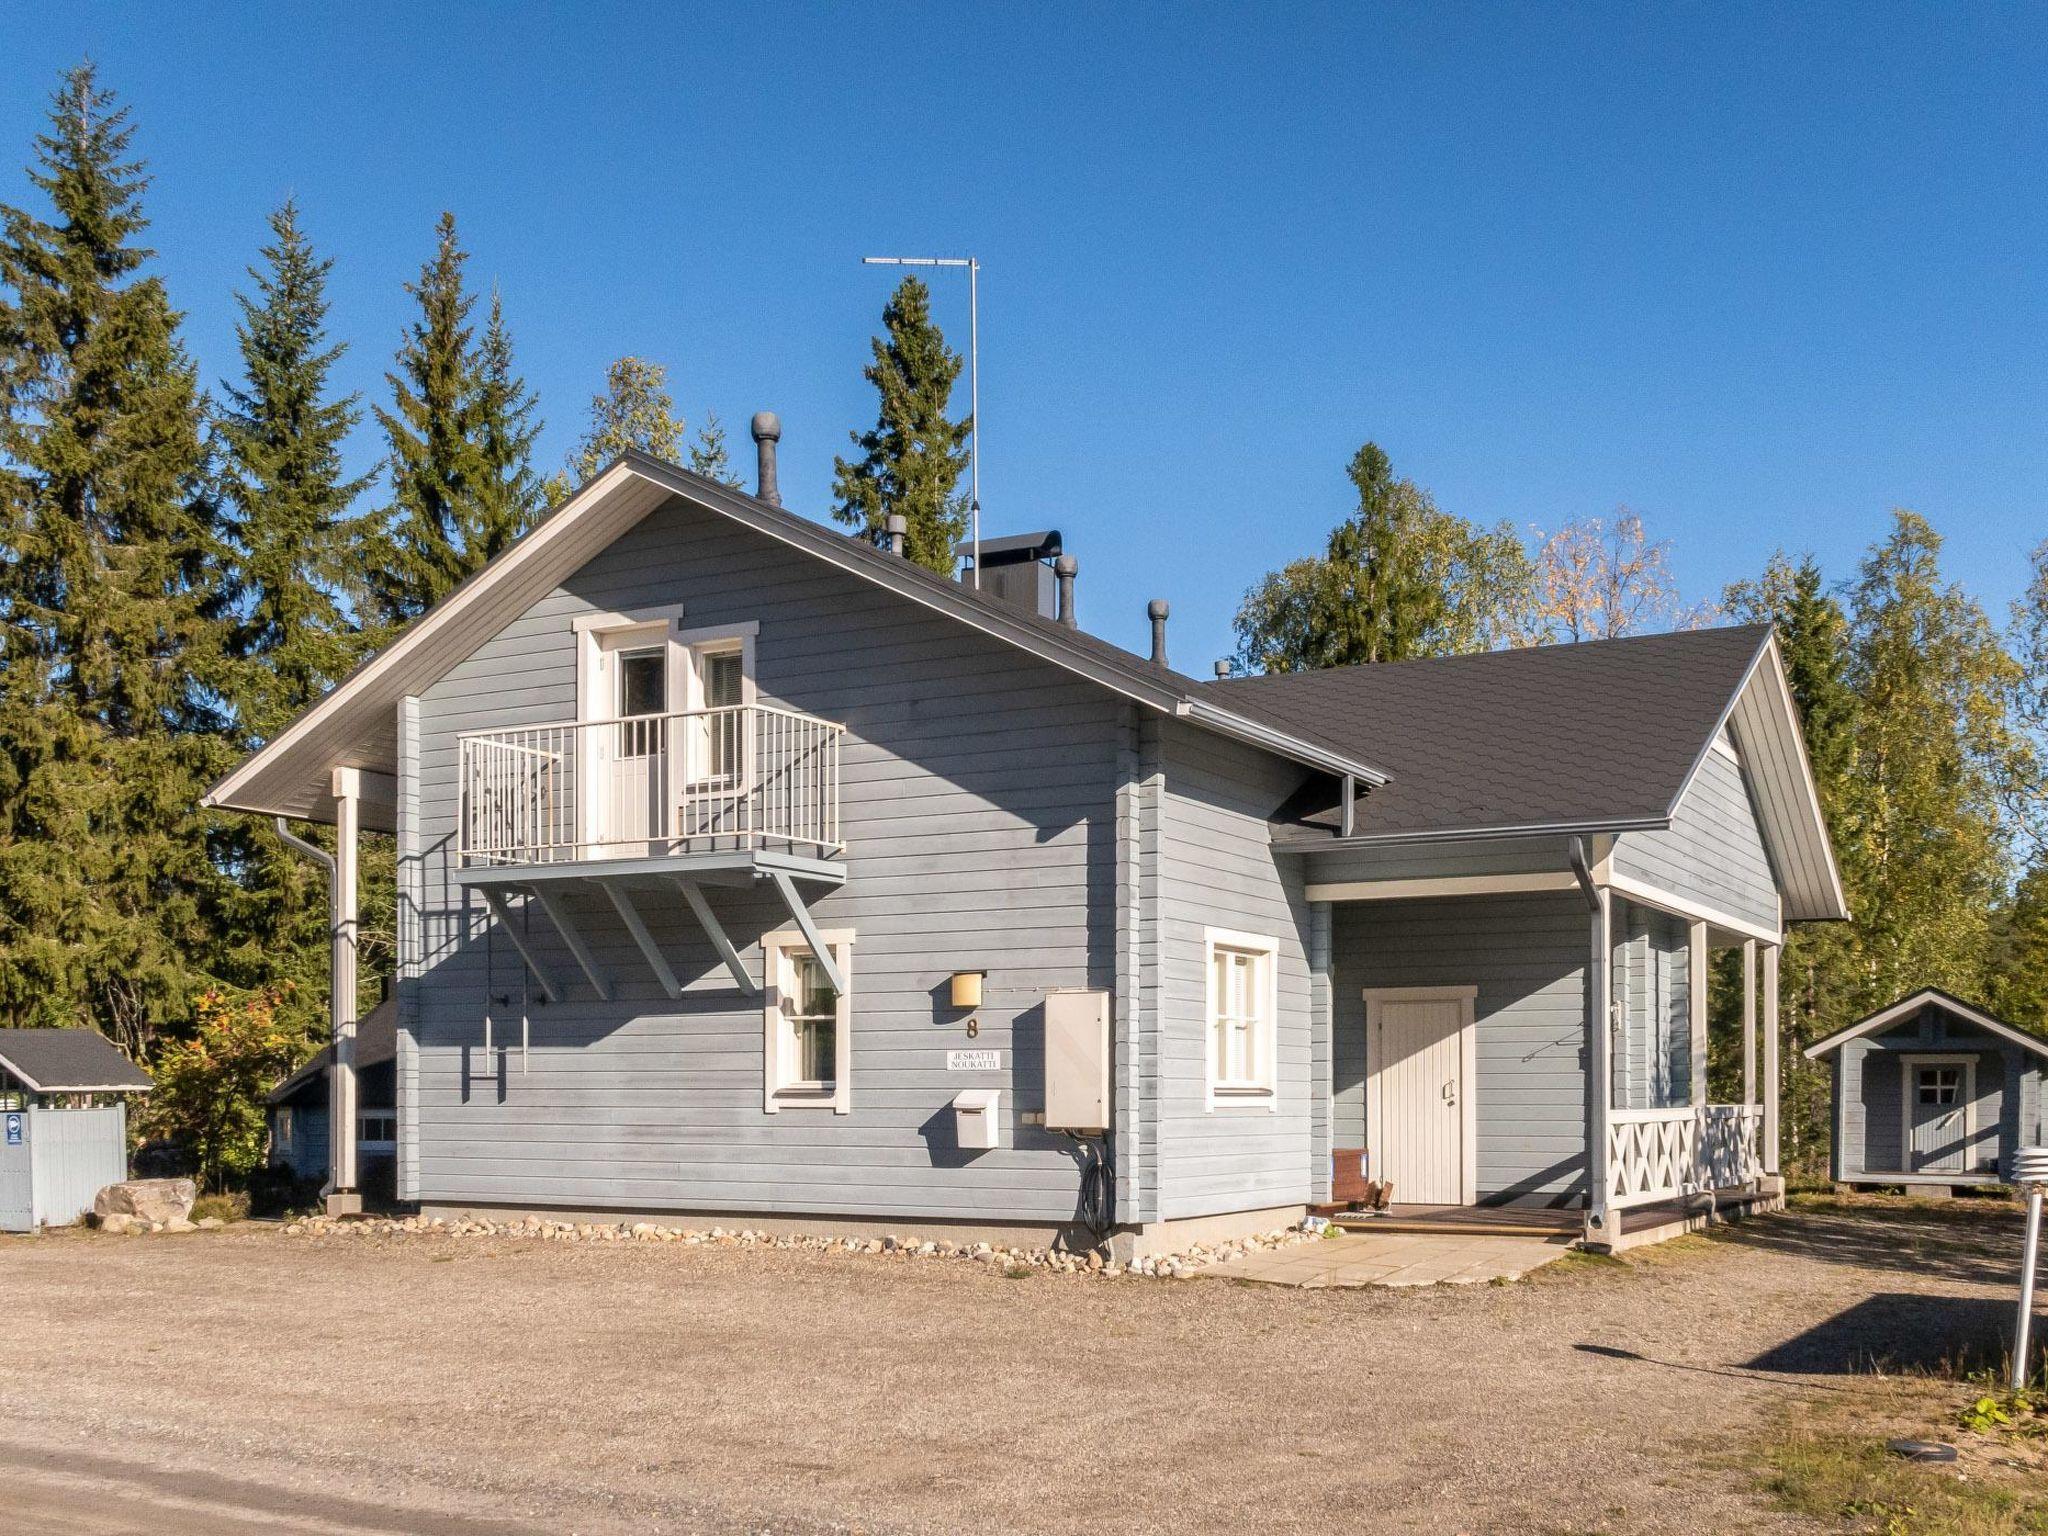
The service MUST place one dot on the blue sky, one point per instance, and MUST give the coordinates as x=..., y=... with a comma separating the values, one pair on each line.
x=1761, y=273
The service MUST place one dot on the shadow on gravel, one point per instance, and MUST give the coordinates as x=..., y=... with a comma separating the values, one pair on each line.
x=1973, y=1242
x=1899, y=1333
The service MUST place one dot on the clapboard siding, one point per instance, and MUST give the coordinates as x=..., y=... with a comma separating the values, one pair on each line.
x=1460, y=857
x=1652, y=967
x=1219, y=870
x=1527, y=956
x=1871, y=1084
x=1713, y=852
x=978, y=807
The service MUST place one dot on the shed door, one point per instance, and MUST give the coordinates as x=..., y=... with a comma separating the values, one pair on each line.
x=17, y=1177
x=1938, y=1113
x=1419, y=1050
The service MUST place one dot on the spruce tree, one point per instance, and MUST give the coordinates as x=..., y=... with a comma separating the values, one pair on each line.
x=1399, y=578
x=460, y=435
x=287, y=499
x=508, y=497
x=110, y=605
x=708, y=455
x=914, y=455
x=297, y=548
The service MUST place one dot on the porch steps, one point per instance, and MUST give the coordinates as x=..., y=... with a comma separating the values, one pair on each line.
x=1496, y=1221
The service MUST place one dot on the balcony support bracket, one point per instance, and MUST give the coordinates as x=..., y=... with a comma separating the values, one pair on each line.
x=630, y=916
x=801, y=916
x=495, y=900
x=715, y=931
x=551, y=903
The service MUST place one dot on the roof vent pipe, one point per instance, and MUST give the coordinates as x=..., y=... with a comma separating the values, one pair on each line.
x=899, y=530
x=1156, y=610
x=1223, y=668
x=767, y=433
x=1065, y=569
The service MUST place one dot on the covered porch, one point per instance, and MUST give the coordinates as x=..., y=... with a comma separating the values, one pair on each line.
x=1535, y=1049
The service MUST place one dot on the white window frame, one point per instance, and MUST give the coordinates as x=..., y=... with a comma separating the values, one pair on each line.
x=779, y=1091
x=1260, y=1089
x=695, y=647
x=1910, y=1063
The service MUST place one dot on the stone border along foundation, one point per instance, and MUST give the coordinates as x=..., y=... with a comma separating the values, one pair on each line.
x=1176, y=1266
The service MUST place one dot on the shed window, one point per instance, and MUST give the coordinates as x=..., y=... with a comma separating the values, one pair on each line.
x=1241, y=1016
x=1940, y=1085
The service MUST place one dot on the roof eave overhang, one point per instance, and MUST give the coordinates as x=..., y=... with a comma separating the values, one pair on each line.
x=1296, y=843
x=1906, y=1007
x=275, y=779
x=1764, y=719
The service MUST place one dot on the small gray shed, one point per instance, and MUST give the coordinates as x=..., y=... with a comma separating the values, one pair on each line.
x=1932, y=1092
x=63, y=1123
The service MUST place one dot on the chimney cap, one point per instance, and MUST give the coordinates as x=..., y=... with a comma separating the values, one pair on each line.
x=1066, y=565
x=1157, y=609
x=1224, y=667
x=767, y=427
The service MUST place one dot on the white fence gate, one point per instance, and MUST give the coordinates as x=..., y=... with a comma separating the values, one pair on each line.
x=54, y=1161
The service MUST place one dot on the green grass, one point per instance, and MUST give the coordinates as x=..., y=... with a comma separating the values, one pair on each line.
x=1833, y=1466
x=228, y=1207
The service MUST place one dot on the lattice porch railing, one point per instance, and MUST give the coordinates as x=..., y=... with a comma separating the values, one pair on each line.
x=1666, y=1154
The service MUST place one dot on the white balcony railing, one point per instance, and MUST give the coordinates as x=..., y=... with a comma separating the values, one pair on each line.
x=1667, y=1154
x=748, y=776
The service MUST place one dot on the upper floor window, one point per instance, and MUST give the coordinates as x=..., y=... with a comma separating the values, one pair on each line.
x=1242, y=1016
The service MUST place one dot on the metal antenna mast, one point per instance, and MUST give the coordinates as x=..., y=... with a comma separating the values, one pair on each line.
x=973, y=374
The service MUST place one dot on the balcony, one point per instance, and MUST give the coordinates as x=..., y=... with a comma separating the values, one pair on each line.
x=746, y=778
x=650, y=808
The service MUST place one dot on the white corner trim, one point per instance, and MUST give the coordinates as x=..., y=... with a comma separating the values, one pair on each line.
x=1264, y=1095
x=1443, y=885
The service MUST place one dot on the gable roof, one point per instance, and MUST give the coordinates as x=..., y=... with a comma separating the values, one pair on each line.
x=1906, y=1007
x=355, y=724
x=69, y=1061
x=1602, y=736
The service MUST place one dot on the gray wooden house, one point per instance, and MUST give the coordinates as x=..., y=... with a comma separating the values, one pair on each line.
x=296, y=1111
x=747, y=869
x=1933, y=1094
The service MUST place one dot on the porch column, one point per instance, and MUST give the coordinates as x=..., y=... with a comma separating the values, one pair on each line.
x=1602, y=1225
x=1770, y=1028
x=1696, y=1007
x=1749, y=1021
x=341, y=1114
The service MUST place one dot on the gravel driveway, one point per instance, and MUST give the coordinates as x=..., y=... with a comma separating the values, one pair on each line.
x=246, y=1380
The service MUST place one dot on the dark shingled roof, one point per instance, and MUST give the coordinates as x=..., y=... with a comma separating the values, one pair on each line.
x=67, y=1061
x=1601, y=733
x=376, y=1044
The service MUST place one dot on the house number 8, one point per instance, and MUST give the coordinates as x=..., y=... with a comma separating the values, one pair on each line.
x=974, y=1028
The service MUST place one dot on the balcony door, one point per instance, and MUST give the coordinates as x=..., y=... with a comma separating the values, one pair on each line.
x=631, y=692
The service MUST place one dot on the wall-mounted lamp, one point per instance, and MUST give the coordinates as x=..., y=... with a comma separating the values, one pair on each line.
x=967, y=988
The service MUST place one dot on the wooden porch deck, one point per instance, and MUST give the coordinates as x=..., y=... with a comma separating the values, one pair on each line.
x=1640, y=1225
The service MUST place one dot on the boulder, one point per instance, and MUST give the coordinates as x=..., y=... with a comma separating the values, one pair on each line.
x=150, y=1200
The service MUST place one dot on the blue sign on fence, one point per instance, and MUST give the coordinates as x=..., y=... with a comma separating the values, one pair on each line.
x=14, y=1130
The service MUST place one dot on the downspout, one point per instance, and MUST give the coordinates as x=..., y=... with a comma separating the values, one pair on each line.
x=325, y=860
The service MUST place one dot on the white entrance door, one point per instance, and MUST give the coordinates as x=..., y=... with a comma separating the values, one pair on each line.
x=1418, y=1093
x=629, y=754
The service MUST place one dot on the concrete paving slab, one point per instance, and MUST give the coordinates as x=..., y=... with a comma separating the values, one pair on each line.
x=1395, y=1259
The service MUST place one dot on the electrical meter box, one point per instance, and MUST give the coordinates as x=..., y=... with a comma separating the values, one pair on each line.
x=1077, y=1061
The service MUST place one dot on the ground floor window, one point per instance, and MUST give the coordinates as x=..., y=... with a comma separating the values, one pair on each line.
x=1243, y=1008
x=377, y=1131
x=807, y=1040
